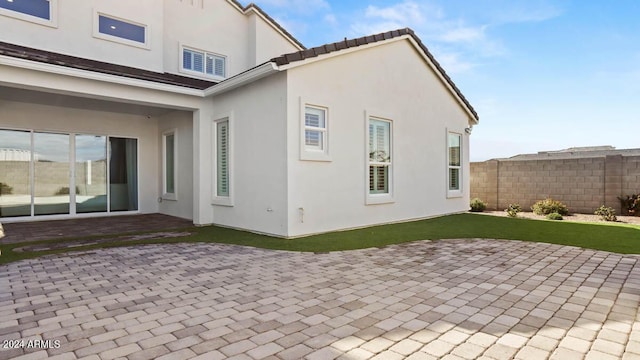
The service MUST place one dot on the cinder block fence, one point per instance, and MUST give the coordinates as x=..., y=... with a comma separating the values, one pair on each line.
x=583, y=184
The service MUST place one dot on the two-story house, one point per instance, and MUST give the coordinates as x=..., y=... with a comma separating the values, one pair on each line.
x=211, y=111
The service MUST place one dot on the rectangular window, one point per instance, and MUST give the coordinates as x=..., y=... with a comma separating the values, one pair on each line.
x=169, y=165
x=119, y=30
x=454, y=161
x=203, y=62
x=315, y=129
x=222, y=158
x=38, y=11
x=380, y=157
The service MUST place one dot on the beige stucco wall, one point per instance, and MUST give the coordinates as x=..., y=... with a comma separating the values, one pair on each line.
x=390, y=81
x=181, y=122
x=582, y=184
x=258, y=161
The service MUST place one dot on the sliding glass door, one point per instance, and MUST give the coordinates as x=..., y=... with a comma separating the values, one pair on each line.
x=15, y=173
x=54, y=174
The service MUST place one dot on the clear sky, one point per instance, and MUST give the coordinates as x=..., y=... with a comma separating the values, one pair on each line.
x=542, y=74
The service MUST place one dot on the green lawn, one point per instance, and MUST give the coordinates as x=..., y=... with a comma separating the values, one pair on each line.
x=612, y=237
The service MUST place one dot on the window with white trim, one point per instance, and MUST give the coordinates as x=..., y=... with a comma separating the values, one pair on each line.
x=204, y=63
x=127, y=32
x=315, y=129
x=380, y=156
x=42, y=12
x=169, y=152
x=454, y=162
x=222, y=158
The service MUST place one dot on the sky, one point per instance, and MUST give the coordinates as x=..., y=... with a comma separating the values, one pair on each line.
x=542, y=75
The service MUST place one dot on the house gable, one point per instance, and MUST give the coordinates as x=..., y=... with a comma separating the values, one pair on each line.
x=322, y=52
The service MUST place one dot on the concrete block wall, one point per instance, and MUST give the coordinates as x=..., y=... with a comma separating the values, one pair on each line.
x=583, y=184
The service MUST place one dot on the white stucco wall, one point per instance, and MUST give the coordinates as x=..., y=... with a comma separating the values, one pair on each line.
x=29, y=116
x=258, y=160
x=265, y=42
x=74, y=32
x=181, y=122
x=390, y=81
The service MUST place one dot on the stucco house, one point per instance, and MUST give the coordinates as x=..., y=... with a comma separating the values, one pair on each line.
x=209, y=110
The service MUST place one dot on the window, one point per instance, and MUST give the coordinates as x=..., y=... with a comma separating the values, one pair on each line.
x=38, y=11
x=454, y=163
x=169, y=164
x=222, y=158
x=204, y=63
x=380, y=159
x=110, y=28
x=314, y=133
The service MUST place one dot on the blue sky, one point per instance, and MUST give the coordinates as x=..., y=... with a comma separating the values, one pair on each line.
x=543, y=75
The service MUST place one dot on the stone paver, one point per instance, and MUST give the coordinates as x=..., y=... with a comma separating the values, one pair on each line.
x=450, y=299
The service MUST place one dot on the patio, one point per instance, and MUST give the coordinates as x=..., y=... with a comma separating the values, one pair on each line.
x=468, y=299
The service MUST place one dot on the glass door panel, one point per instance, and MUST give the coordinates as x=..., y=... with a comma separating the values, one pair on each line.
x=51, y=173
x=15, y=173
x=123, y=174
x=91, y=173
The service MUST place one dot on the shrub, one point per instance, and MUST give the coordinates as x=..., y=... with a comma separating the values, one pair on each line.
x=606, y=213
x=478, y=205
x=631, y=203
x=554, y=216
x=548, y=206
x=513, y=210
x=5, y=189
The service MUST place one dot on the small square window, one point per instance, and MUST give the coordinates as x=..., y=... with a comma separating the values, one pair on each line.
x=315, y=134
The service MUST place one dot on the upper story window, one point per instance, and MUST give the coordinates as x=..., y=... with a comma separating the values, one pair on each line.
x=38, y=11
x=124, y=31
x=204, y=63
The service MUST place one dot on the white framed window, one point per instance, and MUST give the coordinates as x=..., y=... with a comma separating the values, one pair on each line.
x=223, y=160
x=454, y=164
x=169, y=165
x=379, y=160
x=314, y=143
x=112, y=28
x=43, y=12
x=203, y=63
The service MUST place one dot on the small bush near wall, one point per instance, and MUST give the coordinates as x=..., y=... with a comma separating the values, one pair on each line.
x=548, y=206
x=65, y=191
x=5, y=189
x=554, y=216
x=513, y=210
x=631, y=203
x=606, y=213
x=478, y=205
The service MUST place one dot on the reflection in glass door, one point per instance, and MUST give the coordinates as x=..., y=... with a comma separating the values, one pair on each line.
x=91, y=173
x=15, y=173
x=51, y=174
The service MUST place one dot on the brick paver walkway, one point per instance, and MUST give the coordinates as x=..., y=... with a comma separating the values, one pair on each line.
x=454, y=299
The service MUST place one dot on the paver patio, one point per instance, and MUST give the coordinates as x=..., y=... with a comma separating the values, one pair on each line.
x=453, y=299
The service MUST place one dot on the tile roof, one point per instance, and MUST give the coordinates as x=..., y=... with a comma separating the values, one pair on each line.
x=352, y=43
x=48, y=57
x=275, y=23
x=576, y=152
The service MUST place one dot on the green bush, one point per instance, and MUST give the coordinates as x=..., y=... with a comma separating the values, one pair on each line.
x=513, y=210
x=5, y=189
x=606, y=213
x=548, y=206
x=631, y=203
x=478, y=205
x=65, y=191
x=554, y=216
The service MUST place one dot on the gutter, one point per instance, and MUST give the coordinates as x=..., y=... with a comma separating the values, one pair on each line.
x=242, y=79
x=92, y=75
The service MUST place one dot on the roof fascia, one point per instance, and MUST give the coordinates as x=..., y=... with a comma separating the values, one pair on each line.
x=241, y=79
x=407, y=37
x=92, y=75
x=252, y=8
